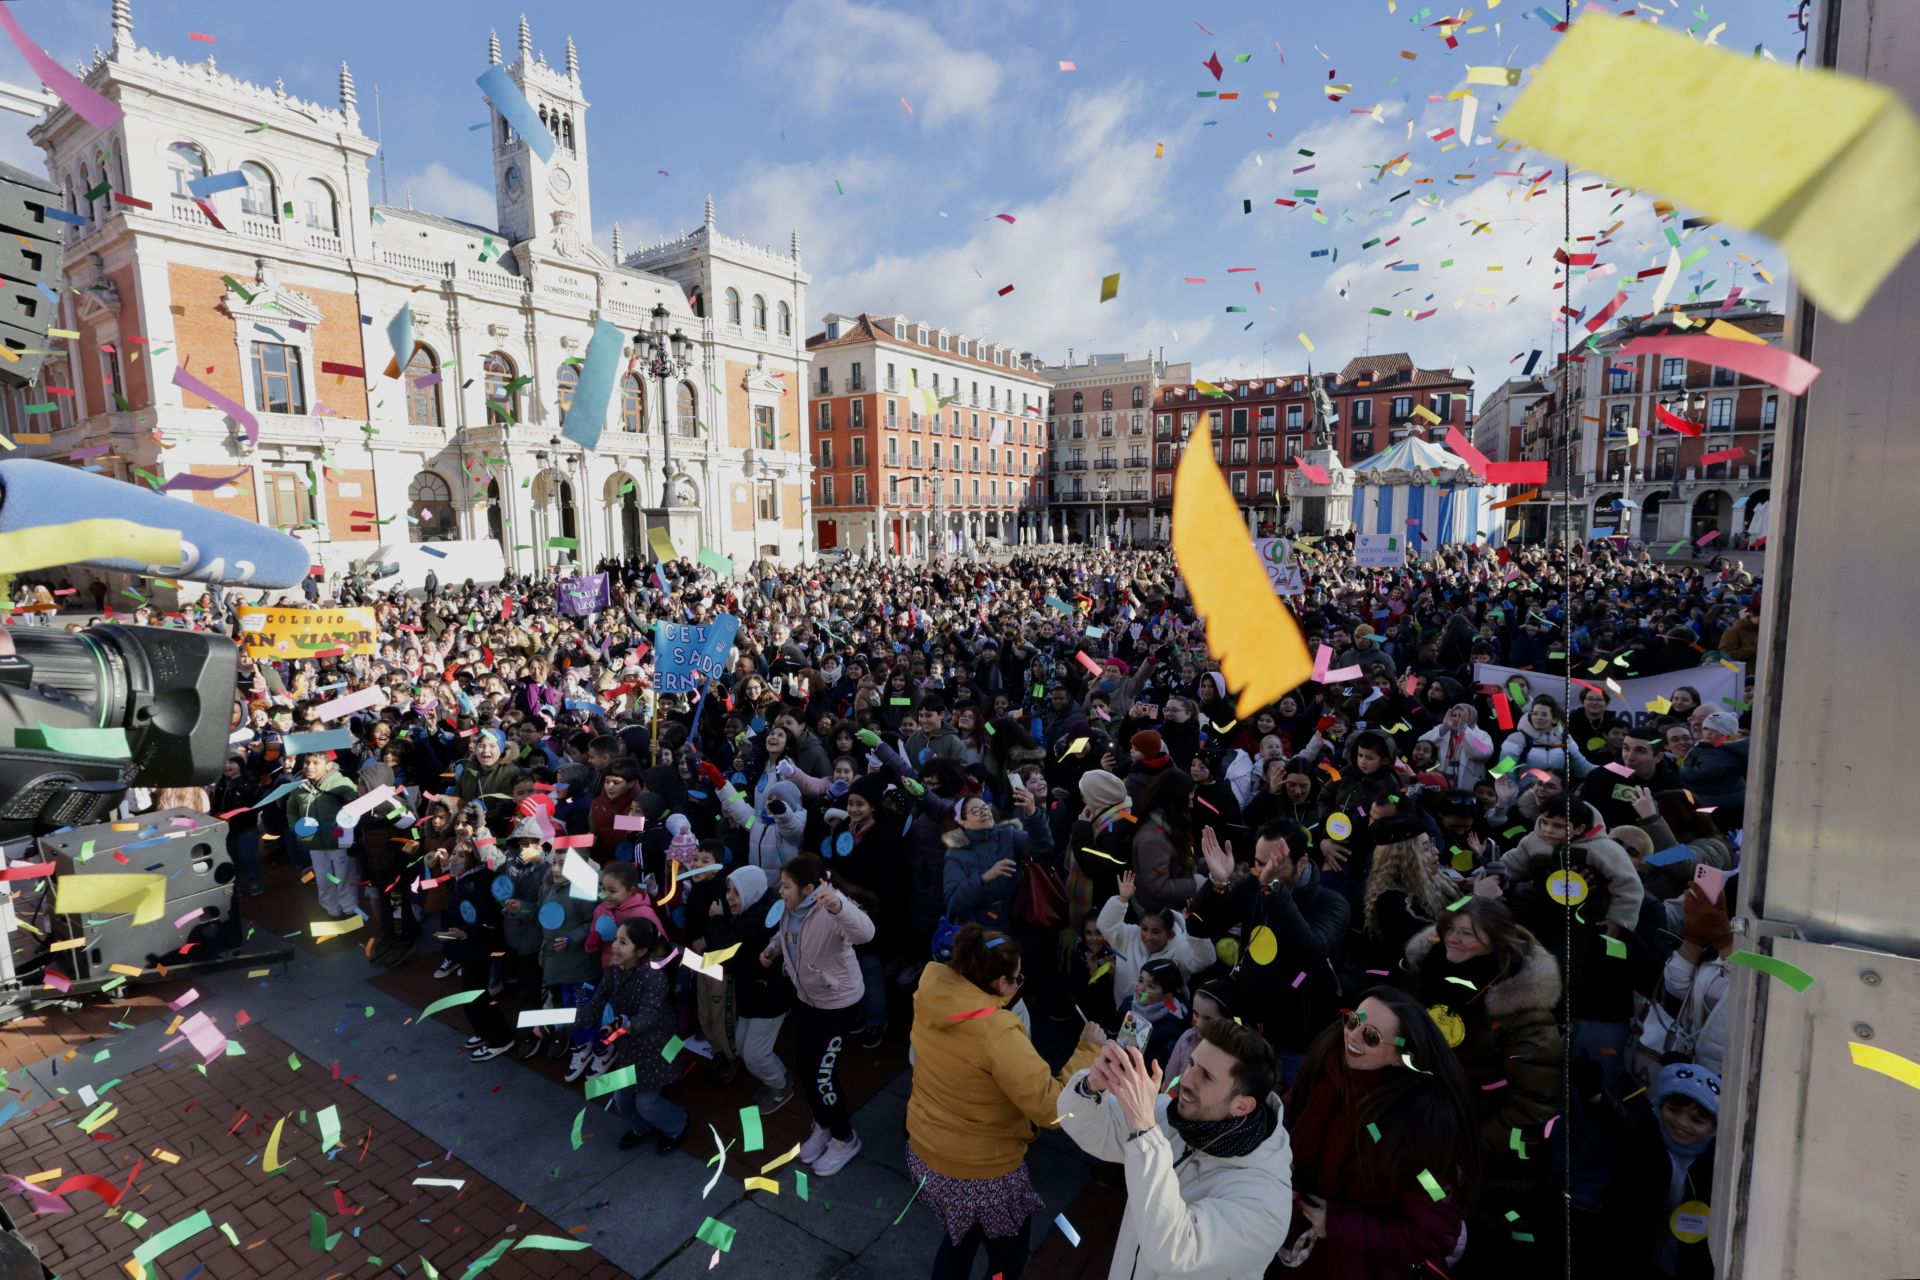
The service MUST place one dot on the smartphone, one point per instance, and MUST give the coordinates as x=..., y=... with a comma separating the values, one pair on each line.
x=1712, y=881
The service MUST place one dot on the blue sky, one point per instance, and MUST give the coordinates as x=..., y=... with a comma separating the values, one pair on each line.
x=768, y=106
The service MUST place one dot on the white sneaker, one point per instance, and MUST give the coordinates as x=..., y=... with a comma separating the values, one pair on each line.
x=577, y=1065
x=838, y=1153
x=599, y=1063
x=815, y=1146
x=446, y=969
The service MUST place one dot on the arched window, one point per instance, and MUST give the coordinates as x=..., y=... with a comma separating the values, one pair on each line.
x=1139, y=397
x=1079, y=402
x=322, y=213
x=503, y=400
x=633, y=405
x=496, y=525
x=733, y=306
x=259, y=200
x=1106, y=398
x=566, y=133
x=565, y=381
x=759, y=313
x=506, y=132
x=784, y=314
x=686, y=411
x=423, y=402
x=185, y=161
x=430, y=503
x=698, y=302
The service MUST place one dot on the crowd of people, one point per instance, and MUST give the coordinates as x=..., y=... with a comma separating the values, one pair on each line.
x=1320, y=955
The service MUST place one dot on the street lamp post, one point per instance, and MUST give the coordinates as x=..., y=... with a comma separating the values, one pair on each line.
x=936, y=536
x=667, y=356
x=1106, y=492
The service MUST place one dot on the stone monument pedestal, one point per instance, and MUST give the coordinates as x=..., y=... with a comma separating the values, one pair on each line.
x=1321, y=509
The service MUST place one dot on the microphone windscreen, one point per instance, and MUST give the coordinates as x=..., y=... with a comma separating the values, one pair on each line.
x=214, y=546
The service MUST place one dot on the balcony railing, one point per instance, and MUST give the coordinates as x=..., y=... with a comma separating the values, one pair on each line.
x=1105, y=464
x=853, y=386
x=1073, y=465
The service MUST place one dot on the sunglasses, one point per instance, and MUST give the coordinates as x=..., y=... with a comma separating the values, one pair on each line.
x=1369, y=1034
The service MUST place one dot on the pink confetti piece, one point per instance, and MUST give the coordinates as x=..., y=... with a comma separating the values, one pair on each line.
x=194, y=914
x=96, y=110
x=187, y=382
x=1302, y=978
x=1550, y=1124
x=1489, y=1088
x=906, y=104
x=1068, y=66
x=191, y=994
x=1005, y=217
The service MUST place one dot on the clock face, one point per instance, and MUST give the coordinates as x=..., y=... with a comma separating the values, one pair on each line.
x=514, y=182
x=561, y=181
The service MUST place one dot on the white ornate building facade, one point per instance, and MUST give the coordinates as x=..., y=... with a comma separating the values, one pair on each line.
x=279, y=295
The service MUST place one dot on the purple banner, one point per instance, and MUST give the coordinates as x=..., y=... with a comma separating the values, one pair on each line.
x=584, y=595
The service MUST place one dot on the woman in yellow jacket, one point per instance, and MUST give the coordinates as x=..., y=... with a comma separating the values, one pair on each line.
x=979, y=1088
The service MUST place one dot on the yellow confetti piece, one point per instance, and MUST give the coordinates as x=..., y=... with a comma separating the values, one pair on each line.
x=1306, y=342
x=334, y=928
x=48, y=1176
x=1838, y=191
x=271, y=1160
x=775, y=1163
x=1493, y=75
x=767, y=1185
x=162, y=1154
x=63, y=333
x=127, y=969
x=1905, y=1070
x=1256, y=640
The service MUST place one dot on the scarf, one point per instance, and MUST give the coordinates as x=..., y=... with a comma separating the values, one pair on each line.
x=1227, y=1139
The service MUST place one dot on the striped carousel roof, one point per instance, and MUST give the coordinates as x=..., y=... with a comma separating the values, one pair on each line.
x=1412, y=454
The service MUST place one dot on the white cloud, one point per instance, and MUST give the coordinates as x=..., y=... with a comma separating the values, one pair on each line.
x=438, y=189
x=830, y=51
x=771, y=201
x=1100, y=181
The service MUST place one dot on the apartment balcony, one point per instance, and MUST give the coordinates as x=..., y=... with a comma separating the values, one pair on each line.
x=1105, y=464
x=1073, y=465
x=891, y=384
x=853, y=386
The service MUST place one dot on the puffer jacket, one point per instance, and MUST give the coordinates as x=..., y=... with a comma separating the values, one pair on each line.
x=771, y=838
x=494, y=788
x=1717, y=775
x=815, y=946
x=521, y=928
x=1533, y=749
x=1463, y=755
x=1188, y=1213
x=1509, y=1046
x=322, y=803
x=643, y=995
x=574, y=964
x=970, y=897
x=1535, y=856
x=979, y=1087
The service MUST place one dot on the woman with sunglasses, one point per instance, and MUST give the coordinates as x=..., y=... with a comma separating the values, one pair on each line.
x=1391, y=1204
x=1491, y=988
x=979, y=1090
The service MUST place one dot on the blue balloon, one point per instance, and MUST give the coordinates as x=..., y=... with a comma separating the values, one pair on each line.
x=779, y=909
x=468, y=914
x=502, y=888
x=606, y=928
x=552, y=916
x=843, y=843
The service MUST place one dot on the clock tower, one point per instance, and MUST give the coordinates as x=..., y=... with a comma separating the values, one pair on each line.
x=527, y=191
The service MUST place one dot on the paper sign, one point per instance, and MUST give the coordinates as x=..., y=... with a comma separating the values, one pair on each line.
x=1378, y=551
x=1839, y=191
x=300, y=633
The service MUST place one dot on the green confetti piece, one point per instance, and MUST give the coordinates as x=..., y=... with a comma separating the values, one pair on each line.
x=554, y=1244
x=329, y=1128
x=317, y=1237
x=751, y=1138
x=177, y=1234
x=1456, y=906
x=1373, y=1131
x=1615, y=948
x=449, y=1002
x=578, y=1122
x=226, y=1229
x=1794, y=976
x=1523, y=1237
x=1432, y=1185
x=909, y=1204
x=716, y=1233
x=600, y=1086
x=800, y=1188
x=138, y=1221
x=671, y=1049
x=237, y=287
x=293, y=1062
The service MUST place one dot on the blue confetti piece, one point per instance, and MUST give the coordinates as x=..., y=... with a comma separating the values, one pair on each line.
x=232, y=180
x=507, y=99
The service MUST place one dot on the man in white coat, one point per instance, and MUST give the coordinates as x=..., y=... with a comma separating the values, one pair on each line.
x=1209, y=1172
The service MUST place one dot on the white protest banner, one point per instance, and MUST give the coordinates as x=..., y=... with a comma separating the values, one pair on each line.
x=1276, y=556
x=1379, y=550
x=1715, y=684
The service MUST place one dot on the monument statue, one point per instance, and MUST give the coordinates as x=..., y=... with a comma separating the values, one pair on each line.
x=1323, y=412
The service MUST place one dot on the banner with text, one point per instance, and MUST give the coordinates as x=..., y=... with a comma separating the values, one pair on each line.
x=580, y=596
x=1720, y=689
x=302, y=633
x=1276, y=556
x=1379, y=550
x=681, y=650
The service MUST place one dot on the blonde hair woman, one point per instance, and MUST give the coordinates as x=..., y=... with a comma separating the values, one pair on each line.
x=1405, y=893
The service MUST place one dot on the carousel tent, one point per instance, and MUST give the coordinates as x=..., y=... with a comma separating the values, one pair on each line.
x=1423, y=489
